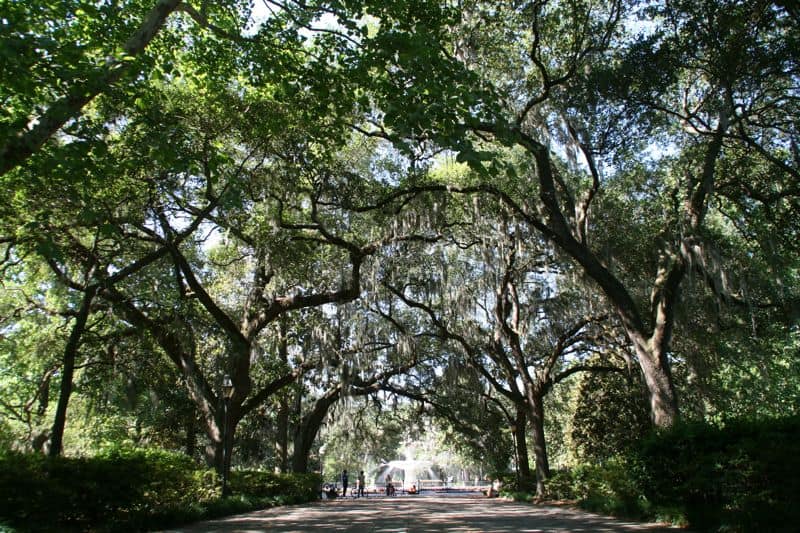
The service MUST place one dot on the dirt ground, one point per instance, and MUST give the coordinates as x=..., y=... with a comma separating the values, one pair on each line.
x=444, y=512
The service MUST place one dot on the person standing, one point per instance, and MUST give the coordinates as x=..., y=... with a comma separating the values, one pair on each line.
x=360, y=484
x=344, y=483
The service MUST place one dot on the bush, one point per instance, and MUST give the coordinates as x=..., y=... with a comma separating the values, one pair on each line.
x=118, y=489
x=611, y=487
x=130, y=489
x=744, y=476
x=289, y=488
x=511, y=483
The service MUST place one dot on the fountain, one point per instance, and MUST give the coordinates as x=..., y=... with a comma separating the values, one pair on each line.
x=405, y=472
x=427, y=475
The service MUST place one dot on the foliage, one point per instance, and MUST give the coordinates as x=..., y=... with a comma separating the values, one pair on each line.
x=224, y=173
x=360, y=436
x=741, y=476
x=129, y=489
x=286, y=488
x=472, y=425
x=611, y=487
x=78, y=493
x=756, y=376
x=610, y=417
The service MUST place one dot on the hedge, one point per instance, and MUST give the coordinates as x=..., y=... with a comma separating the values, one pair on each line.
x=130, y=490
x=742, y=476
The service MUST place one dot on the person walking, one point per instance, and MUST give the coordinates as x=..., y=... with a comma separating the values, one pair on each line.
x=344, y=483
x=360, y=484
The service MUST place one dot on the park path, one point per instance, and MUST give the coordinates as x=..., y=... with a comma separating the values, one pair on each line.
x=459, y=513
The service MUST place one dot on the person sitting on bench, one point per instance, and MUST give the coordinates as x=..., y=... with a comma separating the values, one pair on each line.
x=330, y=491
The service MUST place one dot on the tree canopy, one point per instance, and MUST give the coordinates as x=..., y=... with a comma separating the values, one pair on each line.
x=451, y=207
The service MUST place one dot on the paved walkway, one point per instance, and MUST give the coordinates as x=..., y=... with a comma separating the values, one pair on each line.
x=459, y=513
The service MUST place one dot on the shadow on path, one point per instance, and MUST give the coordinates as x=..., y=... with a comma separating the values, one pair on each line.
x=463, y=513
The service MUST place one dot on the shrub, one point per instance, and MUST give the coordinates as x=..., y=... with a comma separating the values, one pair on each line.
x=118, y=487
x=611, y=487
x=130, y=489
x=743, y=476
x=291, y=488
x=561, y=485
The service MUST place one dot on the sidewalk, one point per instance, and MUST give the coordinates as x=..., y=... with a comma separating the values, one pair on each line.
x=435, y=513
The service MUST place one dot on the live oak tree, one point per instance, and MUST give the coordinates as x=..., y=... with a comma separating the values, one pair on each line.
x=70, y=205
x=322, y=335
x=78, y=228
x=258, y=174
x=589, y=98
x=499, y=295
x=206, y=179
x=163, y=165
x=476, y=420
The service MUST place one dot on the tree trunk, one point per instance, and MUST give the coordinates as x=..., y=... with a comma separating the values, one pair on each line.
x=521, y=442
x=68, y=372
x=660, y=387
x=230, y=421
x=282, y=435
x=308, y=428
x=301, y=451
x=214, y=451
x=221, y=430
x=282, y=423
x=651, y=347
x=191, y=437
x=228, y=445
x=539, y=444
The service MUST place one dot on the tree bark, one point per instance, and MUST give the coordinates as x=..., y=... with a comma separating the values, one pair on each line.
x=660, y=386
x=221, y=432
x=539, y=444
x=282, y=422
x=68, y=372
x=521, y=441
x=282, y=434
x=229, y=429
x=308, y=428
x=191, y=436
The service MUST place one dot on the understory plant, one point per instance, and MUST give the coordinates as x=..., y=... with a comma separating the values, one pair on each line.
x=126, y=489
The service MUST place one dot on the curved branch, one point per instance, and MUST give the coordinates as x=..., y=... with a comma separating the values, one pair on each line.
x=27, y=142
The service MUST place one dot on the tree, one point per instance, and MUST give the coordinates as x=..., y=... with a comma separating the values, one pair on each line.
x=589, y=103
x=169, y=168
x=361, y=363
x=47, y=39
x=499, y=298
x=211, y=185
x=29, y=346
